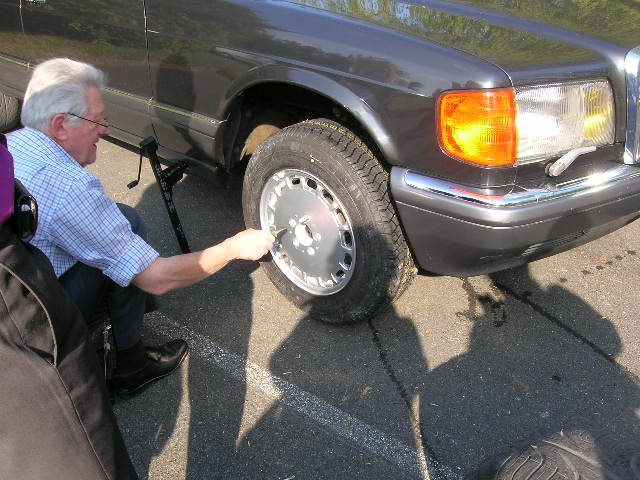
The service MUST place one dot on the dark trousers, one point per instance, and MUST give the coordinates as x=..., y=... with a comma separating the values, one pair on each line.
x=97, y=295
x=55, y=416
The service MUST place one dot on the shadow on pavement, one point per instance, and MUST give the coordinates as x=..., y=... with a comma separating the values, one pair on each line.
x=527, y=375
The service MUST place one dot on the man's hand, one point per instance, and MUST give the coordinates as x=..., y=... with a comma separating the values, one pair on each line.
x=167, y=274
x=251, y=244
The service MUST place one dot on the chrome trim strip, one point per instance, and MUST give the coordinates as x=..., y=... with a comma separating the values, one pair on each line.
x=183, y=113
x=632, y=145
x=121, y=93
x=165, y=107
x=523, y=196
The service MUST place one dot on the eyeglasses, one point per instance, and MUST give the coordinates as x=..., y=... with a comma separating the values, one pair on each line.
x=104, y=125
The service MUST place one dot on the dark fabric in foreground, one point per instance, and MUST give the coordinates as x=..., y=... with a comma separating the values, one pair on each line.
x=55, y=417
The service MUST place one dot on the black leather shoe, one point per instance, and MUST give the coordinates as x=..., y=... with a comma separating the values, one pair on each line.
x=161, y=361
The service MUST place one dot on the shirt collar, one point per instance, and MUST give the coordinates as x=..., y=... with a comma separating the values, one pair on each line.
x=50, y=149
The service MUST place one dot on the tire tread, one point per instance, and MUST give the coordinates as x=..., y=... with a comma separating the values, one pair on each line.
x=376, y=178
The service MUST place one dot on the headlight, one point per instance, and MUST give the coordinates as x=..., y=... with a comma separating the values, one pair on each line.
x=504, y=127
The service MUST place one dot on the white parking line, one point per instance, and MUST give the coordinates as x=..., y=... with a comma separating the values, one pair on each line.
x=361, y=434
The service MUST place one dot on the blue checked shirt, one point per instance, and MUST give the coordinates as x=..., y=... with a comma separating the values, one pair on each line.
x=77, y=221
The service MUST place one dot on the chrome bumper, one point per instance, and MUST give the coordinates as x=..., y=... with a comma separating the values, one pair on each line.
x=520, y=196
x=455, y=231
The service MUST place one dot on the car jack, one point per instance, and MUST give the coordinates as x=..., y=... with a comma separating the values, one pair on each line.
x=165, y=179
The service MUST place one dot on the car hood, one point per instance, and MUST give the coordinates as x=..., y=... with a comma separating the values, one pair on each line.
x=515, y=35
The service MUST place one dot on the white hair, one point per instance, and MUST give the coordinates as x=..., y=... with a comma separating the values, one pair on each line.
x=58, y=86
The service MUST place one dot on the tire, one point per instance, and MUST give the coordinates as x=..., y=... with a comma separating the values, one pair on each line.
x=582, y=454
x=343, y=257
x=9, y=112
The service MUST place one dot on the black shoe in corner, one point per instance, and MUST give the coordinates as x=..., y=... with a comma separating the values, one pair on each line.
x=161, y=361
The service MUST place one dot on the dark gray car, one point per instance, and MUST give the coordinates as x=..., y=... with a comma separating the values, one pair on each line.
x=463, y=137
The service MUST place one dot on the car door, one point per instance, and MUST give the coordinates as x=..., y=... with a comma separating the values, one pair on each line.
x=107, y=34
x=193, y=60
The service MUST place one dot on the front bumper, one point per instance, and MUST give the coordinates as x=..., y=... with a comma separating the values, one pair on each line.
x=452, y=231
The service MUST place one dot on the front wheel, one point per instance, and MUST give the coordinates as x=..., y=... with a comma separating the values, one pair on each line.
x=342, y=256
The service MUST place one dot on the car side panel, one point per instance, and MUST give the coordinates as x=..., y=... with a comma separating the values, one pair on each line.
x=203, y=54
x=191, y=70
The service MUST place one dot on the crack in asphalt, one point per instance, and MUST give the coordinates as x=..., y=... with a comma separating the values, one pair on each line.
x=333, y=419
x=498, y=310
x=402, y=391
x=553, y=319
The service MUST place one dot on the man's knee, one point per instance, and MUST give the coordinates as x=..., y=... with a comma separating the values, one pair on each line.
x=135, y=220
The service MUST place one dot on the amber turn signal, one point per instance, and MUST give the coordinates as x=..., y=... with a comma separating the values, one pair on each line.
x=480, y=126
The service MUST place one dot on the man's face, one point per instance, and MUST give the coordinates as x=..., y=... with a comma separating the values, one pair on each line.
x=81, y=142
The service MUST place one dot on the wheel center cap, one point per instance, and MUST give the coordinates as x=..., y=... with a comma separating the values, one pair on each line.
x=303, y=234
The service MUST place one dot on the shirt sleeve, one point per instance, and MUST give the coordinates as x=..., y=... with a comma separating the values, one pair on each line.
x=89, y=226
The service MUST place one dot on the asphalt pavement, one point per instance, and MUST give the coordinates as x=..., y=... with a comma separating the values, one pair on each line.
x=456, y=375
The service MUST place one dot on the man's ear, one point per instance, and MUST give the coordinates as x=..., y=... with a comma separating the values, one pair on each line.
x=59, y=128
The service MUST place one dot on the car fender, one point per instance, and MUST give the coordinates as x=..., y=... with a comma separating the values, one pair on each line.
x=323, y=84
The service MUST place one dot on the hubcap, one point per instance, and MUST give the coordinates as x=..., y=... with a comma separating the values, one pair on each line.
x=317, y=252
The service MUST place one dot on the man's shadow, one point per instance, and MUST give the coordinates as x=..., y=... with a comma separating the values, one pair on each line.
x=344, y=371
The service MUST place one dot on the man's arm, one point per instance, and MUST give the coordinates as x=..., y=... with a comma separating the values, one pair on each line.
x=167, y=274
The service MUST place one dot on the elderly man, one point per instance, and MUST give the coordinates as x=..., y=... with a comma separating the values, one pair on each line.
x=97, y=247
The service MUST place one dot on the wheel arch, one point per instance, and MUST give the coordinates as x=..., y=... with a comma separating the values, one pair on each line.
x=318, y=94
